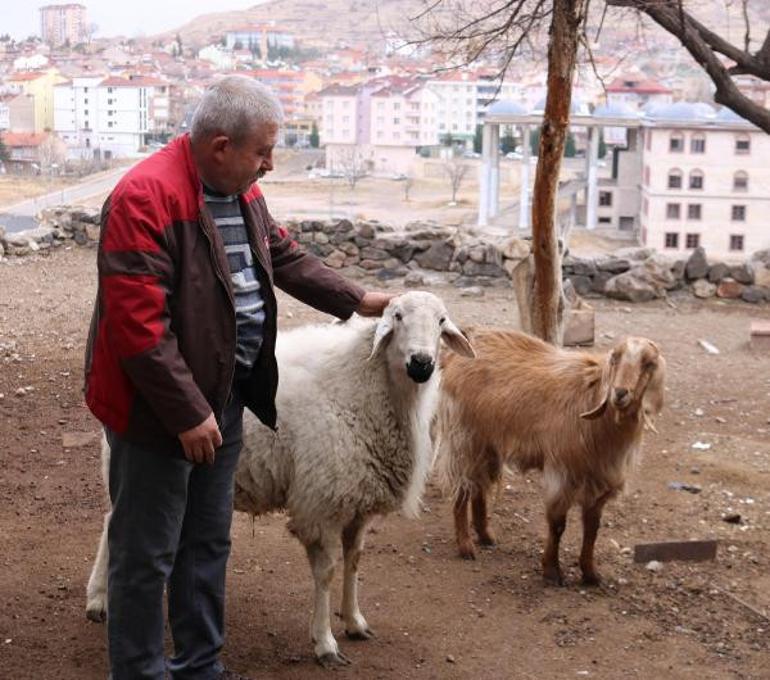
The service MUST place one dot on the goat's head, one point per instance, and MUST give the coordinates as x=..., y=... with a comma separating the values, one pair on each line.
x=410, y=331
x=632, y=379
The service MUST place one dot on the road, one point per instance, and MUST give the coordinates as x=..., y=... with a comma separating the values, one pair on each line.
x=21, y=216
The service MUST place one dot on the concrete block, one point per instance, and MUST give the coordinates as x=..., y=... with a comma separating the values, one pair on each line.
x=580, y=327
x=760, y=335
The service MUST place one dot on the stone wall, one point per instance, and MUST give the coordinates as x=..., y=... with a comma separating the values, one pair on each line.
x=426, y=251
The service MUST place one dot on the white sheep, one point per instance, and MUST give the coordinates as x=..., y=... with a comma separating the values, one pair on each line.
x=355, y=402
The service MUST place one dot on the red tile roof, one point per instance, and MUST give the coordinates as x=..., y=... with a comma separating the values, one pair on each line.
x=637, y=86
x=23, y=139
x=25, y=76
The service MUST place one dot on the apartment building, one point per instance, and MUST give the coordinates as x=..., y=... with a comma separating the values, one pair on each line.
x=110, y=117
x=63, y=24
x=40, y=86
x=705, y=182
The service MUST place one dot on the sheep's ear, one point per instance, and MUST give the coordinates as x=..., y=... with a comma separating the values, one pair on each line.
x=456, y=340
x=382, y=333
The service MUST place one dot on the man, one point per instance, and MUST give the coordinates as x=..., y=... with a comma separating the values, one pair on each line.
x=182, y=337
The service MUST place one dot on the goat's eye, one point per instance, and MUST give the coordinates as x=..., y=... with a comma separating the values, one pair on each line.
x=397, y=316
x=649, y=365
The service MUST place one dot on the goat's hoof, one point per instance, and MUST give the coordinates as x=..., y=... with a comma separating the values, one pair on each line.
x=364, y=634
x=553, y=578
x=466, y=551
x=487, y=540
x=97, y=614
x=333, y=659
x=591, y=579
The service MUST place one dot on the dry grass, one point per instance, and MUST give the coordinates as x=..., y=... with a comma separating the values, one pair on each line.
x=14, y=188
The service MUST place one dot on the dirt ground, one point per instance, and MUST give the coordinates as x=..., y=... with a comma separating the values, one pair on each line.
x=435, y=616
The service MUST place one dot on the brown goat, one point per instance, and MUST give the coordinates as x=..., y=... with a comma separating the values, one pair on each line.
x=575, y=416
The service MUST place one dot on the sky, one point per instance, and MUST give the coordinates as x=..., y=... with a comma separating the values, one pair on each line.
x=116, y=17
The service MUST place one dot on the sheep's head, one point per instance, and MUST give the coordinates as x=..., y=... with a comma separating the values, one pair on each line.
x=410, y=330
x=632, y=379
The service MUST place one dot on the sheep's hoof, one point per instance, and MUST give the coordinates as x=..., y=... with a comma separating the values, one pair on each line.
x=365, y=634
x=96, y=614
x=333, y=659
x=591, y=579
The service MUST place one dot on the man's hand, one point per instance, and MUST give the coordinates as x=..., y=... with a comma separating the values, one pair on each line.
x=201, y=442
x=373, y=303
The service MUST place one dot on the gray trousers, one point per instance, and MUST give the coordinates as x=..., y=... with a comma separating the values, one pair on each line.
x=170, y=526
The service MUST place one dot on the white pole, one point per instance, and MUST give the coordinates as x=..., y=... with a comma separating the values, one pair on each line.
x=494, y=171
x=524, y=188
x=486, y=160
x=592, y=188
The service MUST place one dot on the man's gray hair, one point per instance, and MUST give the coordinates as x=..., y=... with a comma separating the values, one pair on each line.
x=234, y=106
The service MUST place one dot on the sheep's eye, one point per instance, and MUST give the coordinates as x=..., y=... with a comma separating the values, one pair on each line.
x=397, y=316
x=442, y=319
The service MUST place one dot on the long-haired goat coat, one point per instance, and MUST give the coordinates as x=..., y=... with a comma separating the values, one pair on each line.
x=355, y=403
x=576, y=416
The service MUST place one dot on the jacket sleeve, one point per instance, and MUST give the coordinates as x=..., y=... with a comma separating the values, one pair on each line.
x=136, y=274
x=307, y=278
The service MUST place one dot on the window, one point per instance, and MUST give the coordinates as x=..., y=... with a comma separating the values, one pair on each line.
x=698, y=144
x=646, y=175
x=645, y=206
x=675, y=179
x=605, y=198
x=736, y=241
x=740, y=181
x=109, y=124
x=605, y=220
x=742, y=144
x=109, y=90
x=396, y=121
x=673, y=211
x=676, y=142
x=692, y=241
x=739, y=213
x=85, y=101
x=672, y=239
x=85, y=89
x=696, y=179
x=396, y=106
x=694, y=211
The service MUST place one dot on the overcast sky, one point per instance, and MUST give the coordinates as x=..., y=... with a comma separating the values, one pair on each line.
x=21, y=18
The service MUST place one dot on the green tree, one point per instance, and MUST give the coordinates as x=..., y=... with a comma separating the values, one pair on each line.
x=477, y=138
x=534, y=141
x=315, y=139
x=602, y=145
x=447, y=139
x=507, y=143
x=5, y=154
x=569, y=146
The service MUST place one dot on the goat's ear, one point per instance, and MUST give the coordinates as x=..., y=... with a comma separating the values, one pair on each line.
x=456, y=340
x=382, y=333
x=654, y=395
x=597, y=411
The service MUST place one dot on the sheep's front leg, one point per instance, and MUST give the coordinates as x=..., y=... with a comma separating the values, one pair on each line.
x=592, y=516
x=322, y=557
x=96, y=590
x=356, y=627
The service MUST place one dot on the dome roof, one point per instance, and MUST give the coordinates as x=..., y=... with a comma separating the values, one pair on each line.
x=577, y=107
x=615, y=110
x=726, y=115
x=506, y=107
x=684, y=111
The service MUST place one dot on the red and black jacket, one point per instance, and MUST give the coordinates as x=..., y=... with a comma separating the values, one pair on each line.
x=161, y=348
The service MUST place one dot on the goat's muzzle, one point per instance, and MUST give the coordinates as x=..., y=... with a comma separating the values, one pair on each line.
x=621, y=398
x=420, y=367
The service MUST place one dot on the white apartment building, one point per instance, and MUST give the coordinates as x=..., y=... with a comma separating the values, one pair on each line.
x=705, y=182
x=109, y=118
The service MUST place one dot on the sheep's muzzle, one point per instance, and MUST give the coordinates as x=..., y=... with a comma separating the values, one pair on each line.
x=420, y=367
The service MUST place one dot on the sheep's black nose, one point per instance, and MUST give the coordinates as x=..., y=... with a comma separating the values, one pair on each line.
x=420, y=367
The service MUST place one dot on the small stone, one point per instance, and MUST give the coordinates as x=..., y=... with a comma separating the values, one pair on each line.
x=450, y=658
x=472, y=291
x=732, y=518
x=699, y=412
x=654, y=566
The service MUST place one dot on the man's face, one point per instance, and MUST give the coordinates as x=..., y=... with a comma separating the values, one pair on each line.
x=244, y=163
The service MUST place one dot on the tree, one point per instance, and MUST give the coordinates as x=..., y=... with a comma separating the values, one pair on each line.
x=602, y=145
x=507, y=143
x=569, y=146
x=708, y=48
x=5, y=154
x=352, y=165
x=447, y=139
x=315, y=140
x=477, y=139
x=455, y=171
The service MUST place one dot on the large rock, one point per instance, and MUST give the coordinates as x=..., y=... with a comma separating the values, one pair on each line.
x=581, y=267
x=583, y=284
x=730, y=289
x=634, y=253
x=754, y=294
x=516, y=249
x=762, y=277
x=471, y=268
x=613, y=265
x=370, y=253
x=643, y=282
x=335, y=259
x=703, y=289
x=718, y=271
x=697, y=266
x=437, y=257
x=743, y=273
x=762, y=256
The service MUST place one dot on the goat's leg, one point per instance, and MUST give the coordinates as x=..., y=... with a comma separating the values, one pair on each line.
x=481, y=517
x=96, y=590
x=556, y=513
x=592, y=515
x=322, y=557
x=462, y=530
x=356, y=627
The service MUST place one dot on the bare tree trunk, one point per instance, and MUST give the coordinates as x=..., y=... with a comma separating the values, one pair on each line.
x=562, y=53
